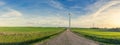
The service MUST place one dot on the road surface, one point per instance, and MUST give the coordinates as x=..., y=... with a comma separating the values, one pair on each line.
x=69, y=38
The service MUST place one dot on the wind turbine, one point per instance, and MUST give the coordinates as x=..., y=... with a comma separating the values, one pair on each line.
x=69, y=21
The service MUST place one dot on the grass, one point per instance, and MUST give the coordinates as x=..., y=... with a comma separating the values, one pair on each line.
x=102, y=36
x=26, y=35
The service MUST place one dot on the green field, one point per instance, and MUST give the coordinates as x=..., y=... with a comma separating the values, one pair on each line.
x=99, y=35
x=26, y=35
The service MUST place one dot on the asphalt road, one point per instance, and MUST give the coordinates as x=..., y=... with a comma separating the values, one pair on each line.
x=69, y=38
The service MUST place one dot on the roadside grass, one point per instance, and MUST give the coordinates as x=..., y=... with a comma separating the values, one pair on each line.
x=102, y=36
x=26, y=35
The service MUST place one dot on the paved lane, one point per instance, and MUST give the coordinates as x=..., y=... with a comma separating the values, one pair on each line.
x=69, y=38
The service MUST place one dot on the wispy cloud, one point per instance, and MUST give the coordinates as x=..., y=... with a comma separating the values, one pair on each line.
x=70, y=0
x=95, y=6
x=37, y=21
x=8, y=12
x=2, y=3
x=111, y=3
x=56, y=4
x=76, y=7
x=103, y=16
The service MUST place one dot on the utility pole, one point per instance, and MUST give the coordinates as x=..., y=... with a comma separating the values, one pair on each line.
x=69, y=21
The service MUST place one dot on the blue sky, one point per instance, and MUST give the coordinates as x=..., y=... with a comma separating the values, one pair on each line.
x=43, y=12
x=43, y=7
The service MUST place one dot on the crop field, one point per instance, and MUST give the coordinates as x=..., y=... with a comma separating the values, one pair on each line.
x=102, y=36
x=26, y=35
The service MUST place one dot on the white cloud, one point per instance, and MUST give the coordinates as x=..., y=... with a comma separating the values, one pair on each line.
x=56, y=4
x=106, y=16
x=76, y=6
x=103, y=16
x=70, y=0
x=47, y=21
x=10, y=13
x=37, y=21
x=95, y=6
x=106, y=6
x=2, y=3
x=10, y=17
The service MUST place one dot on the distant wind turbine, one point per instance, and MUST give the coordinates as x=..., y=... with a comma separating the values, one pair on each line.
x=69, y=20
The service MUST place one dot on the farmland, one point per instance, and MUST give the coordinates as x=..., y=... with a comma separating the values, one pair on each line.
x=104, y=37
x=26, y=35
